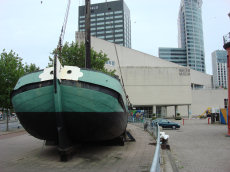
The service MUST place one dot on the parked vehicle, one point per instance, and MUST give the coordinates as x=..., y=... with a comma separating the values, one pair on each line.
x=164, y=123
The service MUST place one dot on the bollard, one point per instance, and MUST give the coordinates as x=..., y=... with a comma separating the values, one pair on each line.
x=208, y=120
x=183, y=122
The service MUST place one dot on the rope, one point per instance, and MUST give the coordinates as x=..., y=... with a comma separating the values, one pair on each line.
x=65, y=22
x=122, y=81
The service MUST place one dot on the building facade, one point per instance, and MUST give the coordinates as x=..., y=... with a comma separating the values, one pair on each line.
x=109, y=21
x=219, y=68
x=159, y=86
x=190, y=37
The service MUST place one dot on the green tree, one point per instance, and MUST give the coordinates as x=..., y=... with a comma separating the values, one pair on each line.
x=73, y=54
x=30, y=68
x=11, y=69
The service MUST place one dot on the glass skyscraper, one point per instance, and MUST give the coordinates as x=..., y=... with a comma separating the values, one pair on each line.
x=190, y=37
x=109, y=21
x=191, y=33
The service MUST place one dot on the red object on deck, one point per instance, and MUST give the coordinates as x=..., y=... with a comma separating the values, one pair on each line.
x=208, y=120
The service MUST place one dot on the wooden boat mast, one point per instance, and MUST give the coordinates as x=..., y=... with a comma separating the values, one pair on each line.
x=87, y=35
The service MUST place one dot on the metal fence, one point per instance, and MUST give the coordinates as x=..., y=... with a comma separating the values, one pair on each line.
x=154, y=129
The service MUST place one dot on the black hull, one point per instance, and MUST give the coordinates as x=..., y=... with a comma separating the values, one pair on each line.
x=80, y=126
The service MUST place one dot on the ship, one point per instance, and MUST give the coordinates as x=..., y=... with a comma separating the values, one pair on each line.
x=92, y=104
x=67, y=104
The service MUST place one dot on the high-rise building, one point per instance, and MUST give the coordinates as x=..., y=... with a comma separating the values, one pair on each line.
x=190, y=36
x=175, y=55
x=109, y=21
x=219, y=69
x=191, y=33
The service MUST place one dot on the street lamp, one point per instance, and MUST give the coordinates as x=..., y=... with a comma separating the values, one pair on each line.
x=227, y=48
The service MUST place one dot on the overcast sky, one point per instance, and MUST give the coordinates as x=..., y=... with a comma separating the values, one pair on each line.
x=31, y=28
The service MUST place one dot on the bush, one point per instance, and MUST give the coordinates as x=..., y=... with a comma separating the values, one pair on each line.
x=154, y=116
x=178, y=117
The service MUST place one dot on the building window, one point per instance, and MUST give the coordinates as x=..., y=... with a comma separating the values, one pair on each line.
x=109, y=22
x=118, y=12
x=101, y=37
x=100, y=28
x=110, y=40
x=119, y=35
x=120, y=25
x=100, y=23
x=118, y=21
x=108, y=27
x=100, y=19
x=109, y=31
x=109, y=36
x=101, y=32
x=109, y=13
x=111, y=63
x=100, y=14
x=109, y=18
x=119, y=30
x=118, y=40
x=117, y=17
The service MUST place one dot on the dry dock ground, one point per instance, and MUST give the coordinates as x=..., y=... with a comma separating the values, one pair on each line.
x=23, y=153
x=199, y=147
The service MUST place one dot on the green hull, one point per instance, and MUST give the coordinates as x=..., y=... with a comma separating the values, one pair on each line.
x=93, y=108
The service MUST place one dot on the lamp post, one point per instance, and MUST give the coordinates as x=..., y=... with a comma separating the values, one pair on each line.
x=227, y=48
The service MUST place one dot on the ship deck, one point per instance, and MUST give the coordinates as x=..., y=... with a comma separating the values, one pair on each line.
x=22, y=152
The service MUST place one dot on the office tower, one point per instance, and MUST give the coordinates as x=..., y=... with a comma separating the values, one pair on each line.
x=191, y=33
x=109, y=21
x=219, y=69
x=190, y=36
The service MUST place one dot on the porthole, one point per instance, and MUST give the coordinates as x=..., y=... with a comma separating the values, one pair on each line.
x=69, y=71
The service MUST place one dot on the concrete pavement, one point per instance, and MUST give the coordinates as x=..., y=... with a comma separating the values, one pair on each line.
x=199, y=147
x=27, y=154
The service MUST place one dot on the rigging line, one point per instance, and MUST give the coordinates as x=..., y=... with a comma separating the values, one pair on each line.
x=65, y=21
x=113, y=32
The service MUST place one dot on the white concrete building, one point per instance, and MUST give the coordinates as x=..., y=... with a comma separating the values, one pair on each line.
x=157, y=85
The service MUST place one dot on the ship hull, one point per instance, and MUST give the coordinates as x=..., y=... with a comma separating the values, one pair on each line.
x=80, y=126
x=88, y=111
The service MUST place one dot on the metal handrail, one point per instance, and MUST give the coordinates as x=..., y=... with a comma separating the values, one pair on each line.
x=156, y=159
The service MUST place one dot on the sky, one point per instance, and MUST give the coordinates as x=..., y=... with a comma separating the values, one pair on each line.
x=31, y=28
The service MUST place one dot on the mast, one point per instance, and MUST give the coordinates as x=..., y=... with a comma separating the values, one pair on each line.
x=87, y=35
